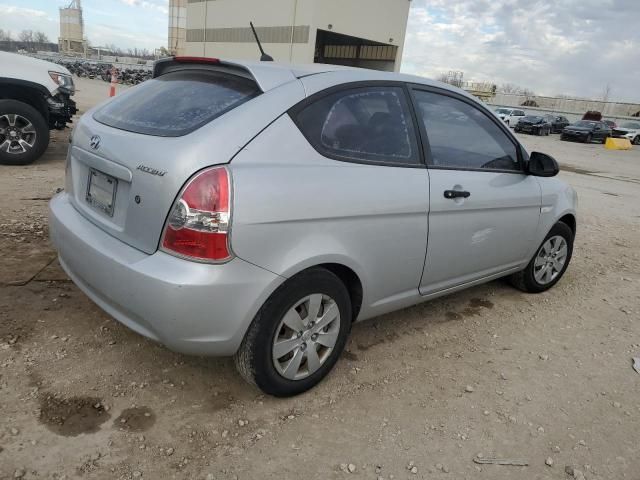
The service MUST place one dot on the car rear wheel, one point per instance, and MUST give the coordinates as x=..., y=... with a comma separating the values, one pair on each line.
x=24, y=133
x=549, y=263
x=298, y=334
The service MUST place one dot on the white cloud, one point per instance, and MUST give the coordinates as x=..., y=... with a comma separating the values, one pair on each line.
x=157, y=5
x=20, y=11
x=574, y=46
x=14, y=19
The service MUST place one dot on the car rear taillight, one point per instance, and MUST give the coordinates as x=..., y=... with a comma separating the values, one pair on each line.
x=198, y=224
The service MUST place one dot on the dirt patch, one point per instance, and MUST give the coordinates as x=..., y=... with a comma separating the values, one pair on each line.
x=221, y=401
x=390, y=337
x=450, y=316
x=73, y=416
x=480, y=303
x=136, y=419
x=350, y=356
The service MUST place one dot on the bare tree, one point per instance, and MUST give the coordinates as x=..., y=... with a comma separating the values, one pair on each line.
x=510, y=88
x=453, y=77
x=26, y=36
x=5, y=35
x=40, y=37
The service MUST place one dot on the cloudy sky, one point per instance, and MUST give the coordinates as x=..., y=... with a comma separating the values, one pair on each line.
x=573, y=47
x=125, y=23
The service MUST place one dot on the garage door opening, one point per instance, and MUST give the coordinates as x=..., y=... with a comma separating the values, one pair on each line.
x=339, y=49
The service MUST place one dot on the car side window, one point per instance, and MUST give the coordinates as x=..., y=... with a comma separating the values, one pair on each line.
x=370, y=124
x=462, y=136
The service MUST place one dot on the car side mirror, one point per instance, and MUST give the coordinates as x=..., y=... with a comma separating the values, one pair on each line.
x=542, y=165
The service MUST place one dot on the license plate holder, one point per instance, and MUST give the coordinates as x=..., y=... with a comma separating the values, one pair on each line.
x=101, y=191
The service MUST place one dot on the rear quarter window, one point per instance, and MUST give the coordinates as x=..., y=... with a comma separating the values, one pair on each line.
x=177, y=103
x=361, y=124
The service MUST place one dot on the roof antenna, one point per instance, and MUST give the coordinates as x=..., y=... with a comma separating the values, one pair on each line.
x=264, y=57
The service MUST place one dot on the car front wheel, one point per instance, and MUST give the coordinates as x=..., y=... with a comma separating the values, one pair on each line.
x=549, y=263
x=24, y=133
x=636, y=141
x=298, y=334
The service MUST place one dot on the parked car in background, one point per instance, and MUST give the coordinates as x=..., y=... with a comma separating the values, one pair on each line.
x=35, y=97
x=630, y=130
x=534, y=124
x=610, y=123
x=558, y=122
x=258, y=210
x=586, y=131
x=510, y=116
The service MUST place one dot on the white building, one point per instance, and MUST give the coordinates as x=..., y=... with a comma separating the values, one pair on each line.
x=177, y=26
x=364, y=33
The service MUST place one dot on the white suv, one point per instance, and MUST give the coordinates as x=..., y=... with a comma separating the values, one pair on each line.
x=510, y=116
x=35, y=97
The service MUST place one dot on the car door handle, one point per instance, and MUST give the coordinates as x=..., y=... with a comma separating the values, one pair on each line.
x=456, y=194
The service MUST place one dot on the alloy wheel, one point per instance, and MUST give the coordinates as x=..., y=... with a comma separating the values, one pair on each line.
x=17, y=134
x=306, y=336
x=550, y=260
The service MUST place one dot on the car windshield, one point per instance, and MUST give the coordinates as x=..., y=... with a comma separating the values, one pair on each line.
x=531, y=118
x=585, y=123
x=503, y=110
x=631, y=125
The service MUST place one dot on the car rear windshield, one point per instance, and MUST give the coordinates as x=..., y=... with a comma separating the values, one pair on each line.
x=585, y=123
x=531, y=118
x=176, y=103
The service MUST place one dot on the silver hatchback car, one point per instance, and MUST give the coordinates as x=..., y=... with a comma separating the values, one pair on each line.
x=258, y=210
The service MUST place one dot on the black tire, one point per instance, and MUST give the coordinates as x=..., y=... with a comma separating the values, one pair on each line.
x=525, y=279
x=254, y=357
x=589, y=139
x=636, y=141
x=604, y=139
x=41, y=133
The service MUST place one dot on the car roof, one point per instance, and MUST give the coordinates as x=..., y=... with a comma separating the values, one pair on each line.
x=269, y=75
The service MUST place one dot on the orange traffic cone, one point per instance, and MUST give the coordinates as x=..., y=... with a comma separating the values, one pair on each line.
x=114, y=80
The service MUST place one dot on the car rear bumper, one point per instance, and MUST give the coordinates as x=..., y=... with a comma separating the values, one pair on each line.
x=193, y=308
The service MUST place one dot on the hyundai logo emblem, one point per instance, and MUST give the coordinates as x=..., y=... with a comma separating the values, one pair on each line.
x=95, y=142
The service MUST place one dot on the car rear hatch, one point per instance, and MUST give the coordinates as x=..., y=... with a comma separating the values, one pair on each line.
x=130, y=157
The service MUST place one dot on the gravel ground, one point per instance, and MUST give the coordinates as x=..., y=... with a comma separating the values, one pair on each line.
x=427, y=392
